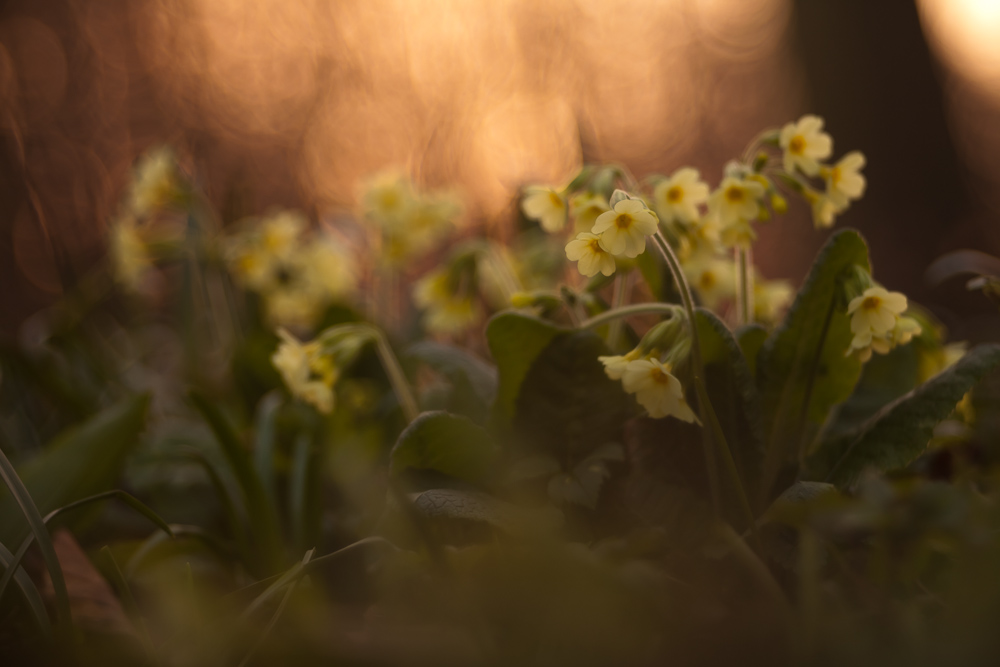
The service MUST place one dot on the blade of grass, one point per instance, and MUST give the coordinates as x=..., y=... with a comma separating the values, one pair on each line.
x=37, y=524
x=298, y=489
x=129, y=604
x=262, y=514
x=234, y=517
x=179, y=532
x=277, y=612
x=128, y=499
x=264, y=440
x=29, y=592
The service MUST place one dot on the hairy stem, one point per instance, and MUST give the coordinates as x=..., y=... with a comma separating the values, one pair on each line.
x=744, y=286
x=400, y=386
x=626, y=311
x=617, y=301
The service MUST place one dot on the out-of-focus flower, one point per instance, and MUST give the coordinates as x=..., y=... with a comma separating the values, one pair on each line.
x=875, y=322
x=585, y=207
x=446, y=310
x=824, y=209
x=770, y=298
x=736, y=200
x=624, y=229
x=156, y=183
x=308, y=373
x=844, y=181
x=678, y=197
x=804, y=144
x=738, y=234
x=591, y=258
x=129, y=254
x=386, y=198
x=296, y=273
x=712, y=277
x=546, y=206
x=657, y=389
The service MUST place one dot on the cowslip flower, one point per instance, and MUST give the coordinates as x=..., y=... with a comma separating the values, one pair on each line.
x=844, y=181
x=736, y=200
x=129, y=254
x=714, y=278
x=306, y=371
x=770, y=297
x=738, y=234
x=657, y=389
x=804, y=143
x=614, y=365
x=445, y=311
x=386, y=197
x=875, y=315
x=678, y=197
x=585, y=207
x=546, y=206
x=590, y=256
x=624, y=229
x=156, y=183
x=824, y=209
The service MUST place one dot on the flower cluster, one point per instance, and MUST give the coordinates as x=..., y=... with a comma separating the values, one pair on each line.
x=410, y=222
x=877, y=322
x=620, y=231
x=297, y=274
x=307, y=371
x=447, y=301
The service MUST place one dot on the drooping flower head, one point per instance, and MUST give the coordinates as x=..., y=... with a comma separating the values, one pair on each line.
x=156, y=183
x=448, y=309
x=736, y=200
x=546, y=206
x=805, y=144
x=624, y=229
x=657, y=389
x=844, y=180
x=306, y=371
x=585, y=207
x=590, y=256
x=876, y=322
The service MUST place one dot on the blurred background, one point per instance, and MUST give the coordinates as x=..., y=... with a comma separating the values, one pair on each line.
x=277, y=103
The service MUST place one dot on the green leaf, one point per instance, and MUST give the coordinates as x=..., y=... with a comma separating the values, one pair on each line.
x=567, y=405
x=79, y=462
x=801, y=368
x=582, y=485
x=473, y=381
x=445, y=443
x=29, y=592
x=515, y=341
x=751, y=338
x=898, y=433
x=655, y=275
x=734, y=396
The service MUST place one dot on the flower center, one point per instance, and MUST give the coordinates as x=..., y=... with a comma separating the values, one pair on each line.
x=675, y=194
x=389, y=200
x=871, y=303
x=595, y=247
x=734, y=194
x=659, y=376
x=555, y=200
x=707, y=280
x=797, y=145
x=623, y=221
x=835, y=175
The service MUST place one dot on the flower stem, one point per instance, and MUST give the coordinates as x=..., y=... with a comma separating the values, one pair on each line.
x=617, y=301
x=708, y=415
x=397, y=378
x=626, y=311
x=744, y=286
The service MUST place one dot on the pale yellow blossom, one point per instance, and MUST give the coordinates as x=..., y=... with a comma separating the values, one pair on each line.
x=156, y=183
x=657, y=389
x=876, y=310
x=804, y=144
x=712, y=277
x=738, y=234
x=614, y=365
x=129, y=254
x=678, y=197
x=546, y=206
x=623, y=231
x=770, y=297
x=445, y=310
x=736, y=200
x=844, y=180
x=824, y=209
x=386, y=198
x=306, y=371
x=585, y=207
x=591, y=258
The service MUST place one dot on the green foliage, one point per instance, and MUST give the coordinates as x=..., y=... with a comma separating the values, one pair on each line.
x=473, y=381
x=515, y=342
x=448, y=444
x=734, y=396
x=900, y=431
x=80, y=462
x=801, y=368
x=751, y=338
x=582, y=484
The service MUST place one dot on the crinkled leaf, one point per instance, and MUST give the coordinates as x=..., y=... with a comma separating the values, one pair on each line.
x=804, y=358
x=567, y=405
x=515, y=341
x=82, y=461
x=447, y=444
x=734, y=396
x=473, y=381
x=898, y=433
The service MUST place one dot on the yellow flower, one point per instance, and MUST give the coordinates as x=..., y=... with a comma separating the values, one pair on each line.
x=824, y=209
x=678, y=197
x=624, y=230
x=657, y=389
x=714, y=278
x=591, y=257
x=875, y=311
x=804, y=144
x=738, y=234
x=585, y=207
x=546, y=206
x=129, y=254
x=770, y=297
x=736, y=200
x=446, y=312
x=386, y=198
x=306, y=371
x=156, y=183
x=614, y=365
x=844, y=181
